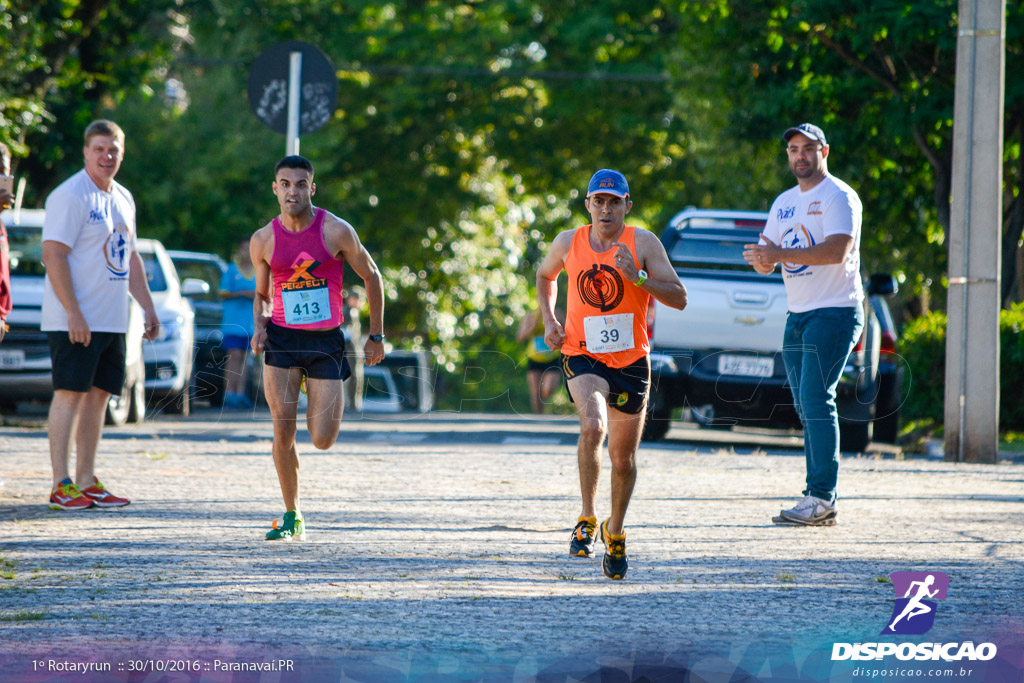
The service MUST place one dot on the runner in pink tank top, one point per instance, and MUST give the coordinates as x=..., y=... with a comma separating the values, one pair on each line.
x=307, y=278
x=299, y=258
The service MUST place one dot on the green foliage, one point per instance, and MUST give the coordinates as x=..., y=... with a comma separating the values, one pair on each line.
x=463, y=136
x=923, y=345
x=465, y=131
x=63, y=62
x=878, y=77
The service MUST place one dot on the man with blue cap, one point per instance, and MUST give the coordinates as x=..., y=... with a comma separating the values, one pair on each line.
x=614, y=269
x=813, y=231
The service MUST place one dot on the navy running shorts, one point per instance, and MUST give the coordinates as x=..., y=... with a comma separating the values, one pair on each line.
x=628, y=386
x=320, y=354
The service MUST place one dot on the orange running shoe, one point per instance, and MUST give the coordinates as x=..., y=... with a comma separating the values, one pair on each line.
x=67, y=496
x=103, y=498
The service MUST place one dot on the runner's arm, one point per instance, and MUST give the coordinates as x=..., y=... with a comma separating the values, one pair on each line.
x=662, y=282
x=260, y=247
x=353, y=251
x=547, y=288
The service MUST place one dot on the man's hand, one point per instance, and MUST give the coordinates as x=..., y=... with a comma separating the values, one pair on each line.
x=624, y=262
x=259, y=338
x=373, y=352
x=78, y=329
x=554, y=335
x=152, y=325
x=763, y=257
x=6, y=199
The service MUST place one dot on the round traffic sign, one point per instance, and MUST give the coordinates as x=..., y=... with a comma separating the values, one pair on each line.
x=268, y=87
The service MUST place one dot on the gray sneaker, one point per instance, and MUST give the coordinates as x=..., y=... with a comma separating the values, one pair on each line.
x=811, y=511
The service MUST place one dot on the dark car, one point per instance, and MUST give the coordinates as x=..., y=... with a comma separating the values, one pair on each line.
x=891, y=369
x=208, y=368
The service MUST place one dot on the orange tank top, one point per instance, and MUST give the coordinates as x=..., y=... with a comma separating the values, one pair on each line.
x=600, y=301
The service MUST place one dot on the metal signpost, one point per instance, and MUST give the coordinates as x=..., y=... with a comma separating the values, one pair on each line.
x=293, y=89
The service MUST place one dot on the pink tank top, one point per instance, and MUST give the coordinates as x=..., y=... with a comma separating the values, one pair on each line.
x=307, y=278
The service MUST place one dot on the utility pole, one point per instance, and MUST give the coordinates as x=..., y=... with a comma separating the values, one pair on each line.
x=972, y=336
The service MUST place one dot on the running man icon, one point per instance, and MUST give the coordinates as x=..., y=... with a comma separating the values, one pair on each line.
x=920, y=590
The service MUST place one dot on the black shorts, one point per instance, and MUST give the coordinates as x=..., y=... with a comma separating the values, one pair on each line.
x=628, y=386
x=320, y=354
x=77, y=367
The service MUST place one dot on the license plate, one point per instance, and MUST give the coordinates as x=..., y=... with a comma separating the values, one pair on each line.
x=11, y=359
x=748, y=366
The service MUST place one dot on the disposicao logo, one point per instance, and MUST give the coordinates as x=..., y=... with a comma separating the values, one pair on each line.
x=916, y=595
x=913, y=614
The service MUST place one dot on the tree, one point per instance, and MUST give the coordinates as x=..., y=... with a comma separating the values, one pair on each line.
x=879, y=78
x=63, y=61
x=464, y=134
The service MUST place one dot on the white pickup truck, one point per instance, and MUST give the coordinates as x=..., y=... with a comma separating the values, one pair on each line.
x=720, y=359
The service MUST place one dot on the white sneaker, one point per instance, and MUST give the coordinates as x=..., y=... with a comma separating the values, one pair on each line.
x=811, y=511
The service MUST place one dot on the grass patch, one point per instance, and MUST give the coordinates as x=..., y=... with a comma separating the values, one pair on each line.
x=883, y=579
x=23, y=615
x=1012, y=441
x=786, y=578
x=7, y=574
x=566, y=577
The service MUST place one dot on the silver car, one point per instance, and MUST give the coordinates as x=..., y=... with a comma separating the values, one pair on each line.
x=169, y=358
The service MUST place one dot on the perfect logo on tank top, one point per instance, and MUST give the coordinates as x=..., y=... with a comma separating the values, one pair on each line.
x=304, y=296
x=600, y=287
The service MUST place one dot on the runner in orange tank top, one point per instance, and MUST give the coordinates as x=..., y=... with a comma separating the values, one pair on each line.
x=614, y=270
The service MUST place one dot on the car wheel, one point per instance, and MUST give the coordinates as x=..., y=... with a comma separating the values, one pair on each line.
x=137, y=410
x=180, y=403
x=704, y=416
x=854, y=437
x=119, y=406
x=656, y=426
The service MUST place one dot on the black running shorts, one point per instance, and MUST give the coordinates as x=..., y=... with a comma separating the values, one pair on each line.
x=77, y=367
x=320, y=354
x=628, y=386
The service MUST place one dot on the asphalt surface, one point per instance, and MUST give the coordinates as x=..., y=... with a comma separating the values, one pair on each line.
x=437, y=549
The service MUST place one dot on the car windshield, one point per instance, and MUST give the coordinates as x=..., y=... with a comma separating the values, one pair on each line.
x=26, y=246
x=713, y=249
x=201, y=270
x=154, y=273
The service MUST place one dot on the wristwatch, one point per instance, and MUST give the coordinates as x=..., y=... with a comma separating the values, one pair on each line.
x=376, y=338
x=643, y=278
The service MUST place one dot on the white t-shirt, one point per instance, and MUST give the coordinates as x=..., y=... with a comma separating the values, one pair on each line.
x=100, y=229
x=802, y=219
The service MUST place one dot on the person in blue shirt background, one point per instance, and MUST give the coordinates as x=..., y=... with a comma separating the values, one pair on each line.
x=237, y=290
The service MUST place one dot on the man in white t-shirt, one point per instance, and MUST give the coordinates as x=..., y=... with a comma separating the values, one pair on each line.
x=813, y=230
x=91, y=267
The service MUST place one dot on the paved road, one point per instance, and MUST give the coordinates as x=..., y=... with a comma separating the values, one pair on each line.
x=437, y=551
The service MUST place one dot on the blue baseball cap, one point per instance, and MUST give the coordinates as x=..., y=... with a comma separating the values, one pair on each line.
x=607, y=180
x=809, y=130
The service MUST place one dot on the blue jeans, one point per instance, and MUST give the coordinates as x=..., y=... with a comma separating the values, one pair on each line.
x=815, y=348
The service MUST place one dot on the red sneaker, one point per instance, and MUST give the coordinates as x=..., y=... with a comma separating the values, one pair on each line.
x=103, y=498
x=67, y=496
